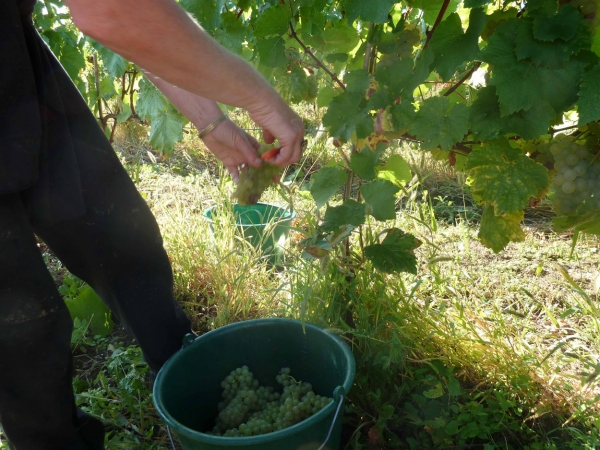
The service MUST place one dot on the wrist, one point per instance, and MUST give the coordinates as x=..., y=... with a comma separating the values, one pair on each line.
x=211, y=126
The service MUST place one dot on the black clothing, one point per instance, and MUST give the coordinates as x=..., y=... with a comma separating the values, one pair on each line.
x=61, y=180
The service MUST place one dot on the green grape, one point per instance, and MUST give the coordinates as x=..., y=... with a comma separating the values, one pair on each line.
x=590, y=10
x=575, y=173
x=255, y=180
x=251, y=409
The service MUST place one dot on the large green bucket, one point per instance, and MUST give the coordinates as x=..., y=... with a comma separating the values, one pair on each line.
x=187, y=388
x=263, y=225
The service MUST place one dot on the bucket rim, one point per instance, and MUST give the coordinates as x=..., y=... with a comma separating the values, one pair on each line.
x=286, y=215
x=263, y=438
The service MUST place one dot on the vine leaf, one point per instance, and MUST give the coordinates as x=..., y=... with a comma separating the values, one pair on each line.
x=402, y=115
x=562, y=25
x=588, y=105
x=275, y=21
x=521, y=84
x=502, y=176
x=432, y=8
x=496, y=231
x=325, y=183
x=486, y=122
x=395, y=253
x=451, y=46
x=271, y=51
x=206, y=12
x=380, y=198
x=550, y=54
x=376, y=12
x=347, y=113
x=397, y=78
x=436, y=125
x=166, y=129
x=232, y=32
x=476, y=3
x=150, y=100
x=363, y=163
x=341, y=38
x=396, y=170
x=113, y=63
x=350, y=212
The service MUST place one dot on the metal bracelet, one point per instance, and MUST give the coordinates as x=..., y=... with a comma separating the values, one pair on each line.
x=211, y=126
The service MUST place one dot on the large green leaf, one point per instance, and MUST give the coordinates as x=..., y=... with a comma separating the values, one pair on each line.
x=375, y=11
x=395, y=253
x=436, y=125
x=432, y=8
x=113, y=63
x=72, y=59
x=341, y=38
x=207, y=12
x=274, y=21
x=347, y=113
x=232, y=32
x=451, y=46
x=562, y=25
x=271, y=51
x=363, y=163
x=588, y=105
x=150, y=102
x=327, y=182
x=380, y=198
x=504, y=177
x=587, y=222
x=486, y=122
x=88, y=306
x=166, y=129
x=496, y=231
x=396, y=170
x=348, y=213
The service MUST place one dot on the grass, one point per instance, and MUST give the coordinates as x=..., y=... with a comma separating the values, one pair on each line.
x=478, y=350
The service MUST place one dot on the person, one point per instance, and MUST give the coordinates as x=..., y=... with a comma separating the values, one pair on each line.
x=61, y=181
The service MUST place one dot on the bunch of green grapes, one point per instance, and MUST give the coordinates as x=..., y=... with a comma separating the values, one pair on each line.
x=248, y=409
x=590, y=10
x=577, y=178
x=312, y=88
x=255, y=180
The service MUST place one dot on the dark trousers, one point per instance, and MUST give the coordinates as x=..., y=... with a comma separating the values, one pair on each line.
x=116, y=247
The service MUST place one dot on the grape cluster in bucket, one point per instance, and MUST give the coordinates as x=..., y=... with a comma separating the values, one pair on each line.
x=249, y=409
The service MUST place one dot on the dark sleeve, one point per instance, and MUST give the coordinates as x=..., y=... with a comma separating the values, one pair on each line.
x=20, y=128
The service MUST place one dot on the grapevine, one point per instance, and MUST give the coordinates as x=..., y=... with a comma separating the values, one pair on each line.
x=249, y=409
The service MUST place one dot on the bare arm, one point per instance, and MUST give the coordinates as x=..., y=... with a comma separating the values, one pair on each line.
x=228, y=142
x=159, y=36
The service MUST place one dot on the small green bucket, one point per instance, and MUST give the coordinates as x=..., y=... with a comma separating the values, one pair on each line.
x=263, y=225
x=187, y=388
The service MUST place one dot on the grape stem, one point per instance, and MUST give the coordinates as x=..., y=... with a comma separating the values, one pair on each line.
x=463, y=79
x=437, y=22
x=317, y=60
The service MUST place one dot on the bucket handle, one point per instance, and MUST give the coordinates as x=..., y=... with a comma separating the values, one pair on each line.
x=338, y=395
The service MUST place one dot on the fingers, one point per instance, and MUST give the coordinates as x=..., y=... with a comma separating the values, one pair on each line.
x=234, y=172
x=268, y=137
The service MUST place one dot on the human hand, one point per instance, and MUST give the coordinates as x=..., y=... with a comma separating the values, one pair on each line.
x=280, y=122
x=234, y=147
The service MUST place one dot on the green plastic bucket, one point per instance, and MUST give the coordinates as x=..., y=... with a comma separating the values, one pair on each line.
x=263, y=225
x=187, y=389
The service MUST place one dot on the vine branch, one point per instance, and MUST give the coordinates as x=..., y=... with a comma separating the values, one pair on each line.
x=317, y=60
x=437, y=22
x=476, y=66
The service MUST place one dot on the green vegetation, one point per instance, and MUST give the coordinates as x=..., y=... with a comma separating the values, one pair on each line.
x=426, y=231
